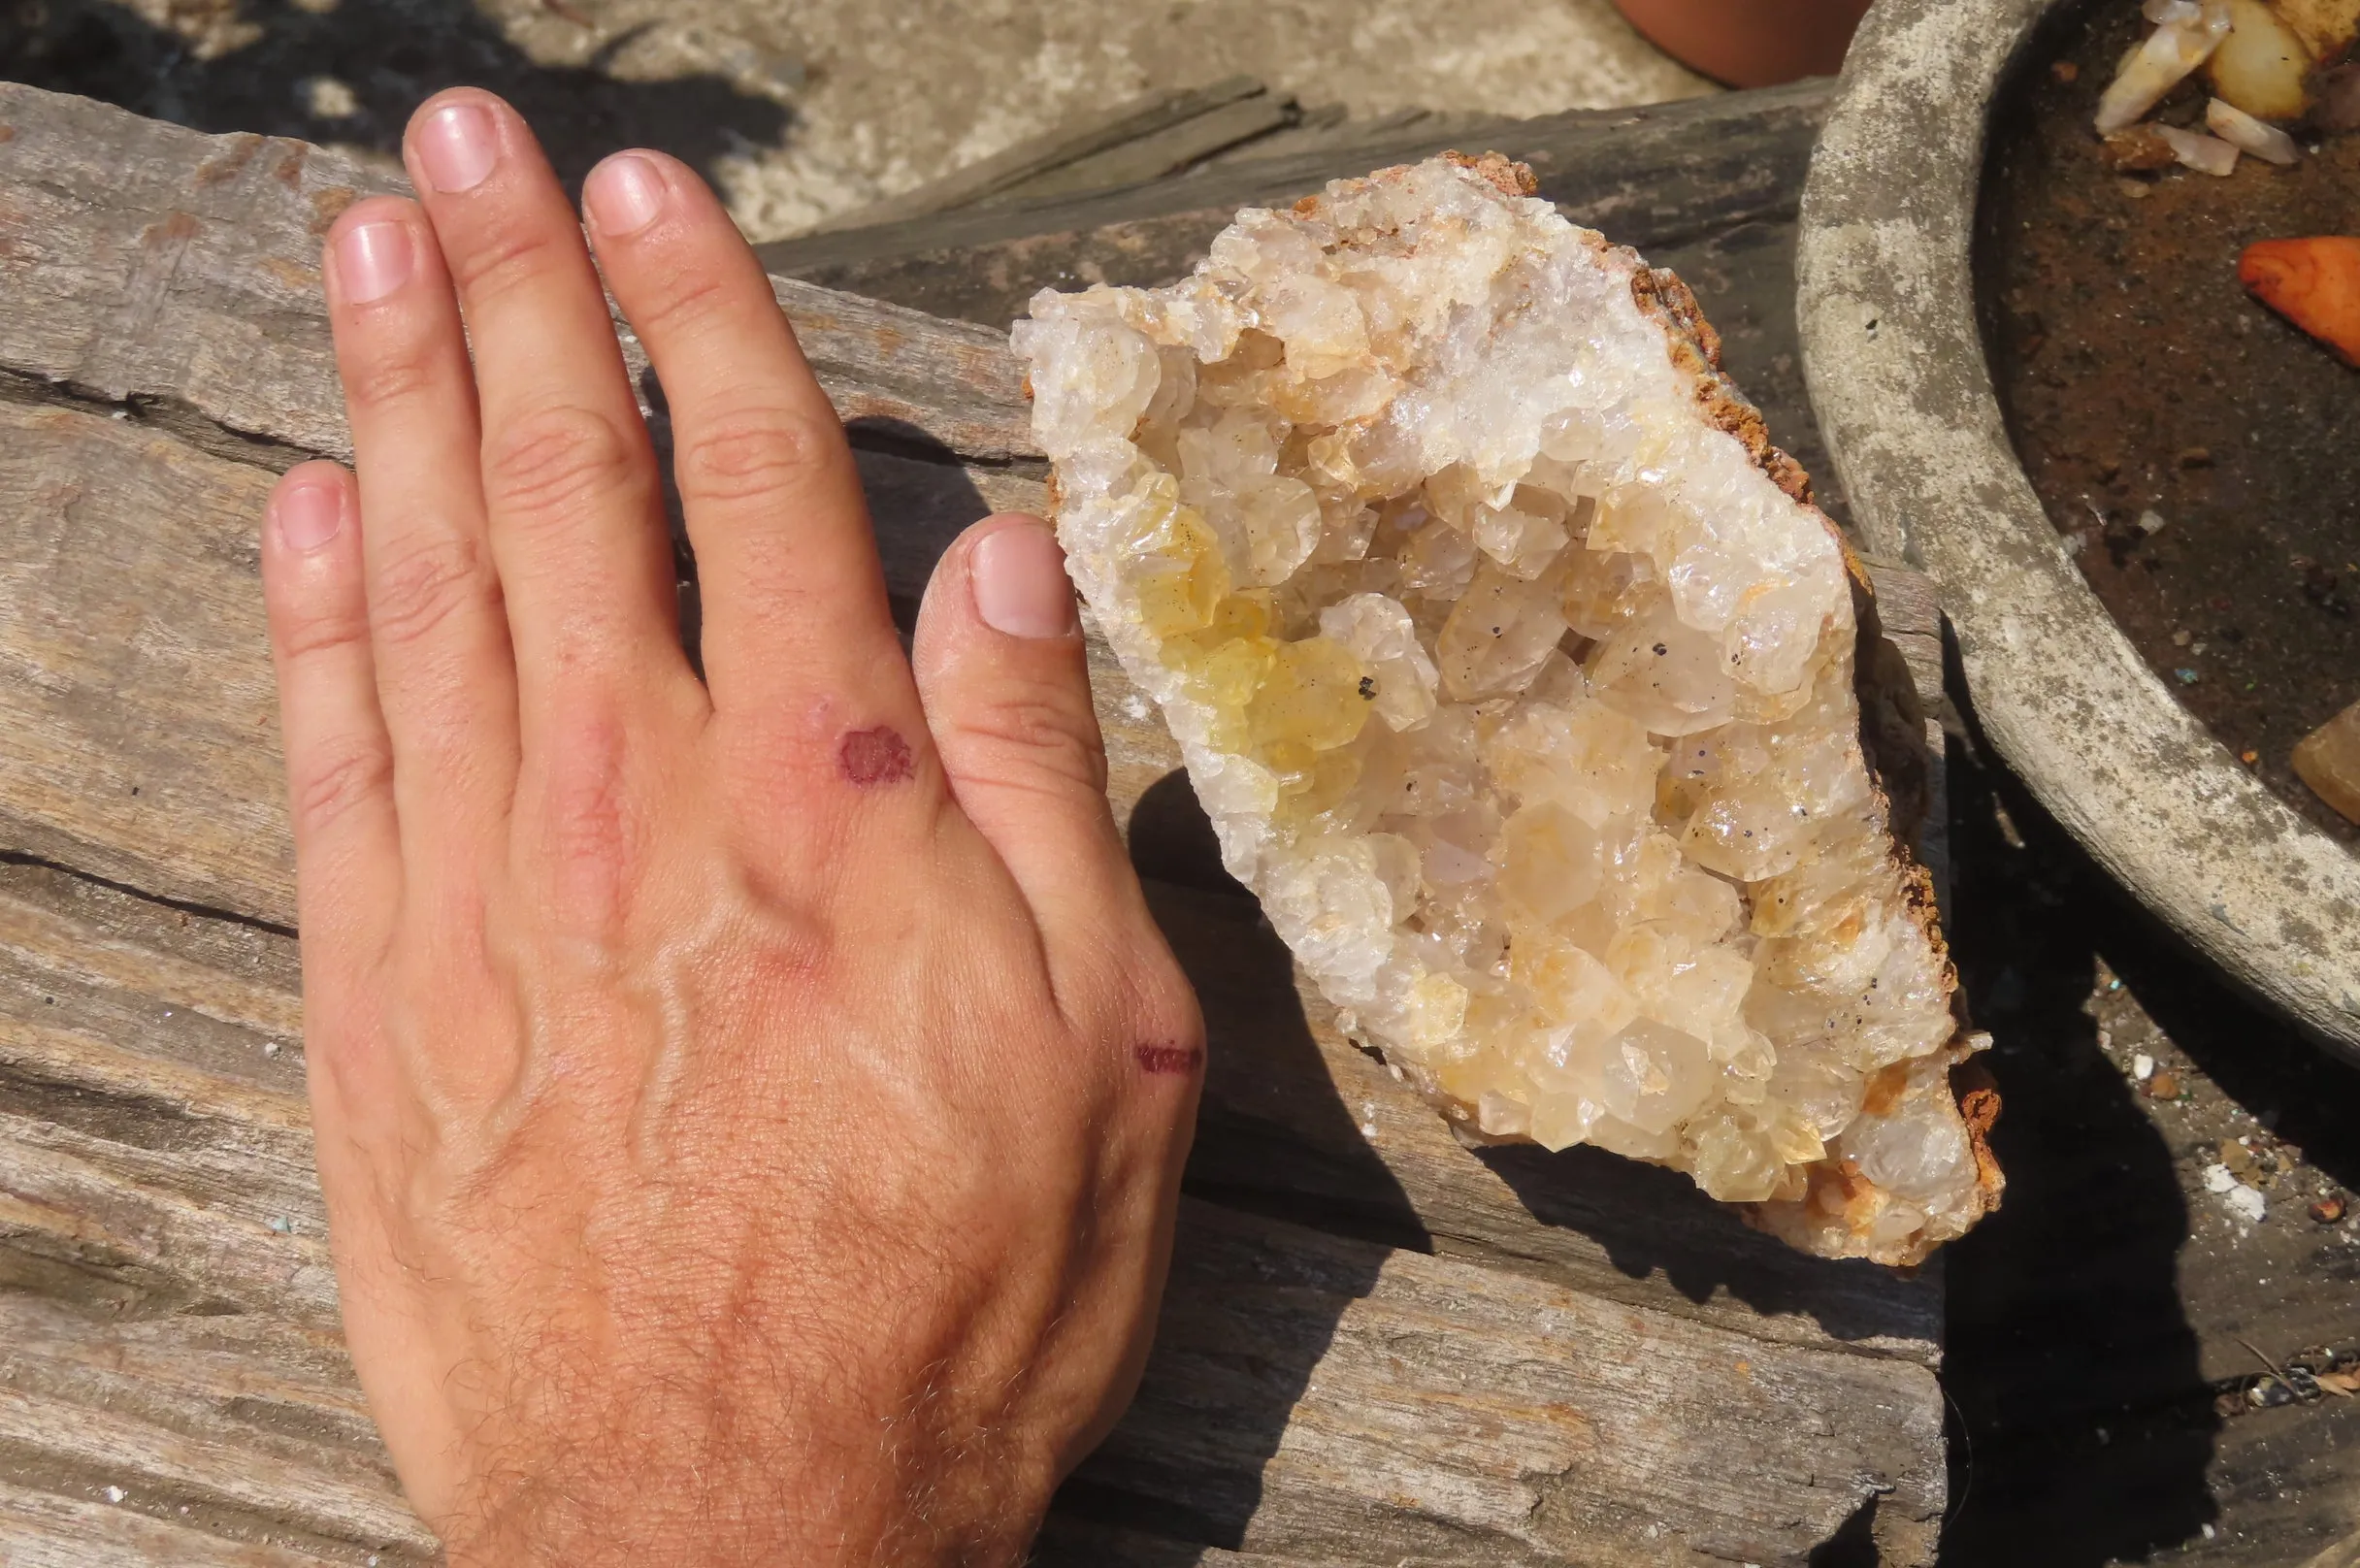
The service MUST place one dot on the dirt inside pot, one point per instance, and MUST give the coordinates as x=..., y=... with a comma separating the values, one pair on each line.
x=2200, y=456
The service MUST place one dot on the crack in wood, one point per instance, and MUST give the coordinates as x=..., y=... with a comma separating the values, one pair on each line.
x=185, y=906
x=172, y=415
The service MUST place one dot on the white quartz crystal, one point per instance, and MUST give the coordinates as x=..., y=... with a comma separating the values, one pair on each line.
x=1520, y=690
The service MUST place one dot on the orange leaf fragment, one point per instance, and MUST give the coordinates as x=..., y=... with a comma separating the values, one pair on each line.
x=2313, y=283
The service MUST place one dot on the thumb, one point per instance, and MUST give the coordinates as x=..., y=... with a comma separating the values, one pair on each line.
x=1001, y=670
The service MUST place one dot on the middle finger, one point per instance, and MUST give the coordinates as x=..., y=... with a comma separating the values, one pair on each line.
x=569, y=475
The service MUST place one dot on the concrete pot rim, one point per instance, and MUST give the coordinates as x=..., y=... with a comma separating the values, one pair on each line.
x=1897, y=375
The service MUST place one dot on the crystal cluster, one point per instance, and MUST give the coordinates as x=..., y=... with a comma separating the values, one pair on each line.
x=1516, y=674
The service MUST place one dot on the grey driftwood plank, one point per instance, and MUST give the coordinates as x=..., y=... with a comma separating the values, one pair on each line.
x=1653, y=176
x=46, y=1529
x=1023, y=165
x=1161, y=155
x=258, y=1431
x=1314, y=1396
x=144, y=263
x=157, y=1154
x=1072, y=1542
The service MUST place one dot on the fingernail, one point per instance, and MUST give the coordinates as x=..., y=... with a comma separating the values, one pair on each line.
x=308, y=516
x=624, y=194
x=371, y=261
x=1020, y=582
x=457, y=144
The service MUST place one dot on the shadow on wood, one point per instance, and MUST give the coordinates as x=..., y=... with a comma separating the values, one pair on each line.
x=2070, y=1358
x=1234, y=1391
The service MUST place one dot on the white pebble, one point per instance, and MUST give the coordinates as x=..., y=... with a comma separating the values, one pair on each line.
x=2205, y=155
x=114, y=1495
x=2143, y=1066
x=2247, y=134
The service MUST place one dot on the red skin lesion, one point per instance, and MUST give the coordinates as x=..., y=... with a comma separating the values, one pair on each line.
x=877, y=756
x=1164, y=1057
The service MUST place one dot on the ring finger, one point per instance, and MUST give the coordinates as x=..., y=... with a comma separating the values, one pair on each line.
x=445, y=674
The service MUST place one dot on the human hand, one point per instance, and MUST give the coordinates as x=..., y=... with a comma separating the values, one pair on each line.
x=750, y=1110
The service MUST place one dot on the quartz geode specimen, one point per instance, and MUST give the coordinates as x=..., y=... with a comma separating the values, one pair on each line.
x=1515, y=671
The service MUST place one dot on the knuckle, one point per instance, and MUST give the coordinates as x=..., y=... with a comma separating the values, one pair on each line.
x=504, y=255
x=687, y=300
x=544, y=462
x=750, y=452
x=321, y=626
x=390, y=374
x=1034, y=739
x=329, y=783
x=421, y=587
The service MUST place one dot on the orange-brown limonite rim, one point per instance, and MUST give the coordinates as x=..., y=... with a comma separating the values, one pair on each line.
x=1835, y=1186
x=1886, y=302
x=1697, y=353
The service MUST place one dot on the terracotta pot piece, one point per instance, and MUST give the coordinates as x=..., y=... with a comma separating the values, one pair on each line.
x=1750, y=43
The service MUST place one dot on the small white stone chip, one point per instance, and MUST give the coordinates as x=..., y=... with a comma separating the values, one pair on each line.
x=2143, y=1066
x=327, y=98
x=114, y=1495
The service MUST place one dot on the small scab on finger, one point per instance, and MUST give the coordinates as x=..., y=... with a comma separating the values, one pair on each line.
x=1162, y=1056
x=877, y=756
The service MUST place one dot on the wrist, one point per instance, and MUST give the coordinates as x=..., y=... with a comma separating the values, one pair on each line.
x=688, y=1506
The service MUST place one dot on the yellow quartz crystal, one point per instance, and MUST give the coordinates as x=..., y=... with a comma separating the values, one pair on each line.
x=1515, y=670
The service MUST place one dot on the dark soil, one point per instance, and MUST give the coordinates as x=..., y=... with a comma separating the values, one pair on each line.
x=2139, y=379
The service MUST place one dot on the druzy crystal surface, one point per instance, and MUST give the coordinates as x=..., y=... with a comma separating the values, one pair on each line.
x=1517, y=675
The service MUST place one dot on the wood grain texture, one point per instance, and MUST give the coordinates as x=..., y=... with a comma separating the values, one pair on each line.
x=1311, y=1393
x=178, y=273
x=45, y=1529
x=1654, y=175
x=1546, y=1425
x=1378, y=1346
x=1019, y=168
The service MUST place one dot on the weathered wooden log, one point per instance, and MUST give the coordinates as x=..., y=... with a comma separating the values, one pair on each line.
x=1131, y=144
x=1378, y=1345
